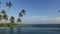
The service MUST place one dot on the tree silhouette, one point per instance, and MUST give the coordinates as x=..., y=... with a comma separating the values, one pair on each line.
x=19, y=20
x=3, y=12
x=9, y=4
x=21, y=14
x=12, y=19
x=4, y=16
x=0, y=17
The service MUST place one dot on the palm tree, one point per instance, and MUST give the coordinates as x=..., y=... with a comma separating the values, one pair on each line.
x=12, y=20
x=9, y=4
x=0, y=17
x=3, y=12
x=18, y=20
x=5, y=17
x=21, y=14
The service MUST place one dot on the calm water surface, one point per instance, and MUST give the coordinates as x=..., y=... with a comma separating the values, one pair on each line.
x=29, y=30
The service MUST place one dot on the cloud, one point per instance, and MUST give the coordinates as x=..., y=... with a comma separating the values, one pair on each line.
x=55, y=19
x=41, y=20
x=38, y=20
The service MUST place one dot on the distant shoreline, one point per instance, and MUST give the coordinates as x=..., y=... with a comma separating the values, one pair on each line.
x=13, y=25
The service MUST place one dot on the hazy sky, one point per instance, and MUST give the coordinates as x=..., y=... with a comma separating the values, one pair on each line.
x=37, y=11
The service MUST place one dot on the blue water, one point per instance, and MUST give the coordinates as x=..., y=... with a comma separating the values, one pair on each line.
x=29, y=30
x=46, y=25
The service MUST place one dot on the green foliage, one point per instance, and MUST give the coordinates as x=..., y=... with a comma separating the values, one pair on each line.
x=18, y=20
x=3, y=12
x=9, y=4
x=22, y=13
x=5, y=25
x=5, y=17
x=12, y=19
x=0, y=17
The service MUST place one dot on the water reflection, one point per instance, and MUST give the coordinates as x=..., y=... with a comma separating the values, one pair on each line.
x=19, y=31
x=27, y=30
x=10, y=30
x=2, y=30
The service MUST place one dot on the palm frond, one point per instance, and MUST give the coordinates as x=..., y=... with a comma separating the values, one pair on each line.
x=5, y=17
x=3, y=12
x=18, y=20
x=9, y=4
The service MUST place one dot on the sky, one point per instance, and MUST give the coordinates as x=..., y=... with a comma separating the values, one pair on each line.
x=37, y=11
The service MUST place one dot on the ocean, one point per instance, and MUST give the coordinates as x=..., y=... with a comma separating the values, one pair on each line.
x=32, y=29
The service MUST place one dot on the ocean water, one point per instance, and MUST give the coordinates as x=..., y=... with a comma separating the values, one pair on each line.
x=30, y=30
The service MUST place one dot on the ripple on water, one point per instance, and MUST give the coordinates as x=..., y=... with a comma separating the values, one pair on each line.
x=29, y=30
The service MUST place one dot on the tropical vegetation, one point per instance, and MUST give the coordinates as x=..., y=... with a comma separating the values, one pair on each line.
x=10, y=22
